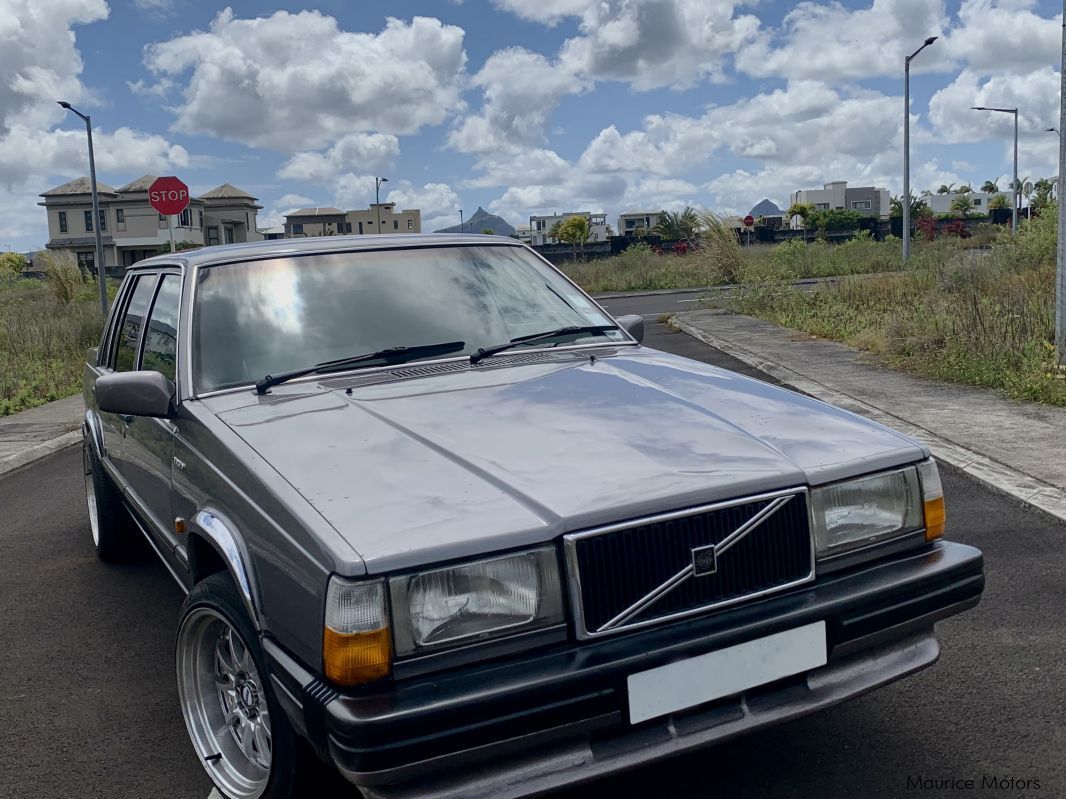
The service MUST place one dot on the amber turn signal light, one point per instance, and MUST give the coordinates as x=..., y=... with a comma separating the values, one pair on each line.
x=932, y=499
x=356, y=658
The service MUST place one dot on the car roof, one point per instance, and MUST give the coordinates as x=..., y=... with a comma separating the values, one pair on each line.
x=254, y=250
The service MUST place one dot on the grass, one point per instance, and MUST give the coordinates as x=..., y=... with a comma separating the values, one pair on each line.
x=984, y=319
x=43, y=340
x=721, y=262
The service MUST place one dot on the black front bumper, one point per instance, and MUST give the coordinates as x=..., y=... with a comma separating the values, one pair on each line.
x=563, y=711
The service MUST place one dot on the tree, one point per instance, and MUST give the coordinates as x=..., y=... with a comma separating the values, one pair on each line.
x=674, y=226
x=12, y=263
x=1043, y=195
x=802, y=210
x=964, y=189
x=553, y=231
x=918, y=207
x=946, y=188
x=576, y=232
x=487, y=231
x=990, y=187
x=962, y=205
x=998, y=201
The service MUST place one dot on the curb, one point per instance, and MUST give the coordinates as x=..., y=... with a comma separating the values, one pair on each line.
x=991, y=474
x=38, y=451
x=619, y=295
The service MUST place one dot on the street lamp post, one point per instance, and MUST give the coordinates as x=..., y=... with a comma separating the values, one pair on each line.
x=1017, y=189
x=377, y=198
x=462, y=224
x=101, y=270
x=907, y=147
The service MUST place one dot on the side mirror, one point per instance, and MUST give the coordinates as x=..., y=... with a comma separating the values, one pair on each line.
x=136, y=394
x=633, y=324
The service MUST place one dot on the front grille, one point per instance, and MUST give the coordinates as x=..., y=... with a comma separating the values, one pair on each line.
x=614, y=569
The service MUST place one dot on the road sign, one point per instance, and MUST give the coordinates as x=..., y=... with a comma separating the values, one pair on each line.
x=749, y=220
x=168, y=195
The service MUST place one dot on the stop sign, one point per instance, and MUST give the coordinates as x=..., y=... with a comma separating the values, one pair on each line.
x=168, y=195
x=749, y=220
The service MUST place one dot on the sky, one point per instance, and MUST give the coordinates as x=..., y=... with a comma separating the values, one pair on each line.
x=519, y=106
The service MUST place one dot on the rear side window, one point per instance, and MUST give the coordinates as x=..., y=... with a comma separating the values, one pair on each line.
x=161, y=338
x=129, y=331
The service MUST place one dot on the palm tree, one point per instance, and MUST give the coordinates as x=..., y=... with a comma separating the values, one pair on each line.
x=946, y=188
x=965, y=189
x=553, y=231
x=576, y=232
x=998, y=201
x=962, y=206
x=802, y=210
x=918, y=207
x=1043, y=194
x=990, y=187
x=674, y=226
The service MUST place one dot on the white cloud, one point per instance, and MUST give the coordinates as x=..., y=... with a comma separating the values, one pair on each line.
x=368, y=151
x=833, y=43
x=521, y=90
x=297, y=82
x=285, y=204
x=438, y=203
x=649, y=43
x=1007, y=36
x=155, y=7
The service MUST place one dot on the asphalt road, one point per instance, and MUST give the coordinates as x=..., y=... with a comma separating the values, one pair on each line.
x=89, y=707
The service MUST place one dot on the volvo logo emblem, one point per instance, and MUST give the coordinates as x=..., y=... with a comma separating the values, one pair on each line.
x=704, y=561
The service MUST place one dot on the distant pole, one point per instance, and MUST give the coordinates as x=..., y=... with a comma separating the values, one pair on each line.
x=1060, y=272
x=377, y=198
x=1017, y=188
x=907, y=147
x=101, y=270
x=462, y=224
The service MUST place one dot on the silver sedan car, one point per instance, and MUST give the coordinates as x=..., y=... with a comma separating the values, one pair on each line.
x=445, y=523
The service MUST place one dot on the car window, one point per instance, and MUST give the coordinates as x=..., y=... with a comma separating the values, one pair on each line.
x=265, y=317
x=132, y=321
x=161, y=338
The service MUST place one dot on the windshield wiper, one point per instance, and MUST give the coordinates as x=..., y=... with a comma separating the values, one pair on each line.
x=485, y=352
x=392, y=355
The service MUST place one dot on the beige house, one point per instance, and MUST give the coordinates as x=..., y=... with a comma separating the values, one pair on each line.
x=329, y=221
x=132, y=230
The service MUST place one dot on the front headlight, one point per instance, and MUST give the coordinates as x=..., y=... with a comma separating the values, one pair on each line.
x=471, y=601
x=868, y=510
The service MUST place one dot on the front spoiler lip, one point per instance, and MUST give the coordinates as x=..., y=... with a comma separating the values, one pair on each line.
x=540, y=765
x=402, y=731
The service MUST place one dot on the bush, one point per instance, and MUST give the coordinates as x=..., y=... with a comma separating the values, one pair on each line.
x=61, y=273
x=12, y=263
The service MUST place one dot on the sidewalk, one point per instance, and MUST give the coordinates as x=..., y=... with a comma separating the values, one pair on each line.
x=1015, y=448
x=40, y=431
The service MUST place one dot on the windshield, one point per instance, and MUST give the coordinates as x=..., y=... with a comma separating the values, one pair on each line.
x=266, y=317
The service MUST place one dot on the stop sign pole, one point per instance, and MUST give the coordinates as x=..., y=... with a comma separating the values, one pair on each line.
x=169, y=196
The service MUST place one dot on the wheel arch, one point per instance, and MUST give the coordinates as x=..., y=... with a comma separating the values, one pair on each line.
x=215, y=546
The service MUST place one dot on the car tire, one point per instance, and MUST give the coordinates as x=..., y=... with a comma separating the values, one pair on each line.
x=110, y=523
x=239, y=732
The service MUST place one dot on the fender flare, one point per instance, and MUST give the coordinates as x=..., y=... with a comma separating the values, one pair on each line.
x=220, y=534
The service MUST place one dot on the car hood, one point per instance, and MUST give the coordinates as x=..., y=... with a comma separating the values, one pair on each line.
x=471, y=460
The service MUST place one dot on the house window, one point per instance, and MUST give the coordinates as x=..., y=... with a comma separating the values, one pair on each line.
x=162, y=217
x=861, y=204
x=227, y=233
x=395, y=224
x=62, y=221
x=88, y=221
x=200, y=219
x=186, y=218
x=360, y=228
x=410, y=224
x=298, y=228
x=977, y=202
x=103, y=219
x=212, y=236
x=821, y=206
x=120, y=216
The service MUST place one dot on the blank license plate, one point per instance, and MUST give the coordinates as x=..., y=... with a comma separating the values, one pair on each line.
x=691, y=682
